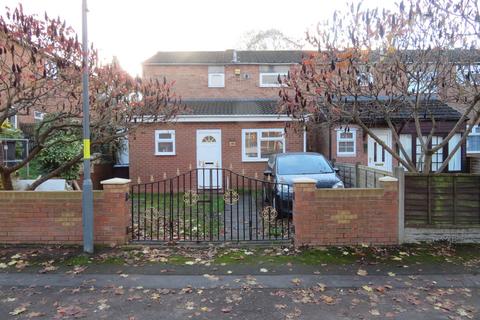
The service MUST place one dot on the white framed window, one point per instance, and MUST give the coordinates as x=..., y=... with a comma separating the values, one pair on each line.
x=51, y=69
x=37, y=115
x=216, y=76
x=164, y=142
x=437, y=157
x=260, y=144
x=423, y=82
x=473, y=140
x=365, y=79
x=269, y=75
x=346, y=142
x=468, y=74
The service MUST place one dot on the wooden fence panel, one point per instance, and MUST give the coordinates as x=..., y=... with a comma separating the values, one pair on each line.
x=359, y=176
x=442, y=200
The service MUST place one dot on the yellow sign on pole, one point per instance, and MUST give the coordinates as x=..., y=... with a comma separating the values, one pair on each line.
x=86, y=148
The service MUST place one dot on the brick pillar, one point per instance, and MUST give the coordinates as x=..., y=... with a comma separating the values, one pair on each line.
x=113, y=219
x=390, y=186
x=304, y=194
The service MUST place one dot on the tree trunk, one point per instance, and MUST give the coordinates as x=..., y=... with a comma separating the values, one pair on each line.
x=427, y=162
x=7, y=180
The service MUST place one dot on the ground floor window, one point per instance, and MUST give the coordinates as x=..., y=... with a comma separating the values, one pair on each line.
x=437, y=158
x=473, y=140
x=346, y=142
x=164, y=142
x=259, y=144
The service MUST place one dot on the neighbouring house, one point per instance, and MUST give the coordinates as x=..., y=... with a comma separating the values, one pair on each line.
x=350, y=144
x=231, y=120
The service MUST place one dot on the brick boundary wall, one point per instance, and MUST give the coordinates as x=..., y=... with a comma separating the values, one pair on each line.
x=55, y=217
x=346, y=216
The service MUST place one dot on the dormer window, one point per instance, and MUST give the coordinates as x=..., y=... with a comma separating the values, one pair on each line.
x=269, y=75
x=468, y=74
x=216, y=76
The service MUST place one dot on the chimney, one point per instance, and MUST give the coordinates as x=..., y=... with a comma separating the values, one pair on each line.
x=234, y=55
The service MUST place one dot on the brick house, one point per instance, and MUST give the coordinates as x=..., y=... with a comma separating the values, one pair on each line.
x=351, y=144
x=232, y=97
x=231, y=119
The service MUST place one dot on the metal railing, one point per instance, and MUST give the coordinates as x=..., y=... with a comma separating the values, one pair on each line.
x=211, y=205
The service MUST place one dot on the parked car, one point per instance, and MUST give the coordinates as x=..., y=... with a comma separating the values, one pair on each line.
x=282, y=170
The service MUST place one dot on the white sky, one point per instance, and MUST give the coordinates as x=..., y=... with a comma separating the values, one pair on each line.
x=136, y=30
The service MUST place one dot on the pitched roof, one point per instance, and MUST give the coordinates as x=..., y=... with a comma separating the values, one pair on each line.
x=237, y=107
x=435, y=108
x=286, y=56
x=231, y=107
x=228, y=57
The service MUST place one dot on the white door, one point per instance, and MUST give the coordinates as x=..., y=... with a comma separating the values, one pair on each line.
x=209, y=159
x=378, y=157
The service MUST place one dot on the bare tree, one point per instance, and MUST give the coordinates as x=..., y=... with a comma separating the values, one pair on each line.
x=41, y=68
x=271, y=39
x=376, y=65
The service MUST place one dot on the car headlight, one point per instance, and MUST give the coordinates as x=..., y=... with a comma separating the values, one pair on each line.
x=338, y=185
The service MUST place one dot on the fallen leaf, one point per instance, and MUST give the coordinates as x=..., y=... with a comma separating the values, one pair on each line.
x=367, y=288
x=362, y=272
x=35, y=314
x=327, y=299
x=18, y=311
x=374, y=312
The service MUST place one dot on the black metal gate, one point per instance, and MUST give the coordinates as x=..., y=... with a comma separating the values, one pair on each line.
x=211, y=205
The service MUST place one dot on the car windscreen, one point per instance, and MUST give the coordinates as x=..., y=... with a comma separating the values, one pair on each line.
x=302, y=164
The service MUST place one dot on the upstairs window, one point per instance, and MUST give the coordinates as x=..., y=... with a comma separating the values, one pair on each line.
x=473, y=140
x=164, y=142
x=269, y=75
x=346, y=143
x=423, y=82
x=365, y=79
x=468, y=74
x=51, y=69
x=216, y=76
x=38, y=116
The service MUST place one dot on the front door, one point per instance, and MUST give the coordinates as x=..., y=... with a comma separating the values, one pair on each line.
x=209, y=159
x=378, y=157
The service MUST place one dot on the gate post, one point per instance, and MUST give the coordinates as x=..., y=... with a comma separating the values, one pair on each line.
x=115, y=218
x=399, y=173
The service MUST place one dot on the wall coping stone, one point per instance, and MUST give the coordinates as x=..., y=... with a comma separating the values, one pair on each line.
x=116, y=181
x=388, y=179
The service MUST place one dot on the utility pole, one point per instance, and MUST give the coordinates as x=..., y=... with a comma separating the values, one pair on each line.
x=87, y=193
